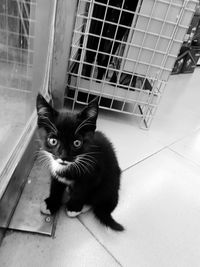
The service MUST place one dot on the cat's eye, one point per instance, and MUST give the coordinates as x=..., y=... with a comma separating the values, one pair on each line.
x=52, y=141
x=77, y=143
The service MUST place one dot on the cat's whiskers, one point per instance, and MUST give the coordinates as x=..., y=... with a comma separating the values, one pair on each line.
x=75, y=165
x=85, y=164
x=42, y=156
x=45, y=158
x=88, y=154
x=44, y=161
x=88, y=158
x=38, y=152
x=84, y=167
x=82, y=163
x=58, y=168
x=80, y=167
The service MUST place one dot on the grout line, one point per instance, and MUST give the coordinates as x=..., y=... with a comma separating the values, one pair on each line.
x=168, y=146
x=101, y=244
x=183, y=137
x=184, y=157
x=134, y=164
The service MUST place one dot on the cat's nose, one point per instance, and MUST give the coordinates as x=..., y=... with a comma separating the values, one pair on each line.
x=65, y=158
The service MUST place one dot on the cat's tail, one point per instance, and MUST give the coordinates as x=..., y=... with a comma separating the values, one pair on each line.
x=107, y=220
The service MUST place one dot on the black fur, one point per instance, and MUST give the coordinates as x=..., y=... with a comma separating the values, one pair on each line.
x=94, y=178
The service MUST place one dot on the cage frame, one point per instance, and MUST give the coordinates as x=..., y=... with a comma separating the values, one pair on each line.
x=136, y=100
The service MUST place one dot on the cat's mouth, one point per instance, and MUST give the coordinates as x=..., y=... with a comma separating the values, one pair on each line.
x=63, y=162
x=59, y=166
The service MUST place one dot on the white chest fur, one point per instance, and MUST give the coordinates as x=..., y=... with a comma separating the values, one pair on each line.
x=63, y=180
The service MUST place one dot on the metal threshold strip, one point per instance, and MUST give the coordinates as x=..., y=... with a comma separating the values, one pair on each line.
x=27, y=216
x=20, y=203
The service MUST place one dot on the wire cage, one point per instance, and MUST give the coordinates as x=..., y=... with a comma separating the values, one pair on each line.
x=17, y=25
x=123, y=51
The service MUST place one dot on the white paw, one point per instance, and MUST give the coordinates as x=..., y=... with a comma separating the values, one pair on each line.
x=72, y=214
x=43, y=208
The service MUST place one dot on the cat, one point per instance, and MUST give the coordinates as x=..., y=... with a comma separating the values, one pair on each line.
x=81, y=160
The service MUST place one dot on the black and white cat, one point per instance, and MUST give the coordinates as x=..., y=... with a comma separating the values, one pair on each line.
x=82, y=162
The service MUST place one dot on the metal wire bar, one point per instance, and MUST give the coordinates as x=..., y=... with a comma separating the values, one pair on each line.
x=82, y=55
x=94, y=65
x=168, y=48
x=151, y=95
x=161, y=1
x=110, y=55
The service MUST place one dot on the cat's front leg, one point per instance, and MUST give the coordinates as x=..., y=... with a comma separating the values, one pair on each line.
x=74, y=207
x=78, y=199
x=52, y=203
x=73, y=210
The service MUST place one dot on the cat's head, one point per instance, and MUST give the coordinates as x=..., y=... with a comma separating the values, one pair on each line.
x=66, y=137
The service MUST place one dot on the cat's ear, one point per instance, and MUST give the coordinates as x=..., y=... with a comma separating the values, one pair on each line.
x=91, y=111
x=44, y=108
x=46, y=114
x=89, y=115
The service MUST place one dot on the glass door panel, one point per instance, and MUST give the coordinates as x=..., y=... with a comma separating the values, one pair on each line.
x=25, y=34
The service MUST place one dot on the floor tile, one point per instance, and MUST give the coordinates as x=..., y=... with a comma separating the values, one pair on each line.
x=160, y=209
x=186, y=91
x=169, y=127
x=189, y=147
x=131, y=143
x=73, y=246
x=175, y=118
x=178, y=113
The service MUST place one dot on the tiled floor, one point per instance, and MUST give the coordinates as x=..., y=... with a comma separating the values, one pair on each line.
x=159, y=198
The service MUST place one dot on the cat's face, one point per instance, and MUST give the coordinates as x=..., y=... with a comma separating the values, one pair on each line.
x=66, y=138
